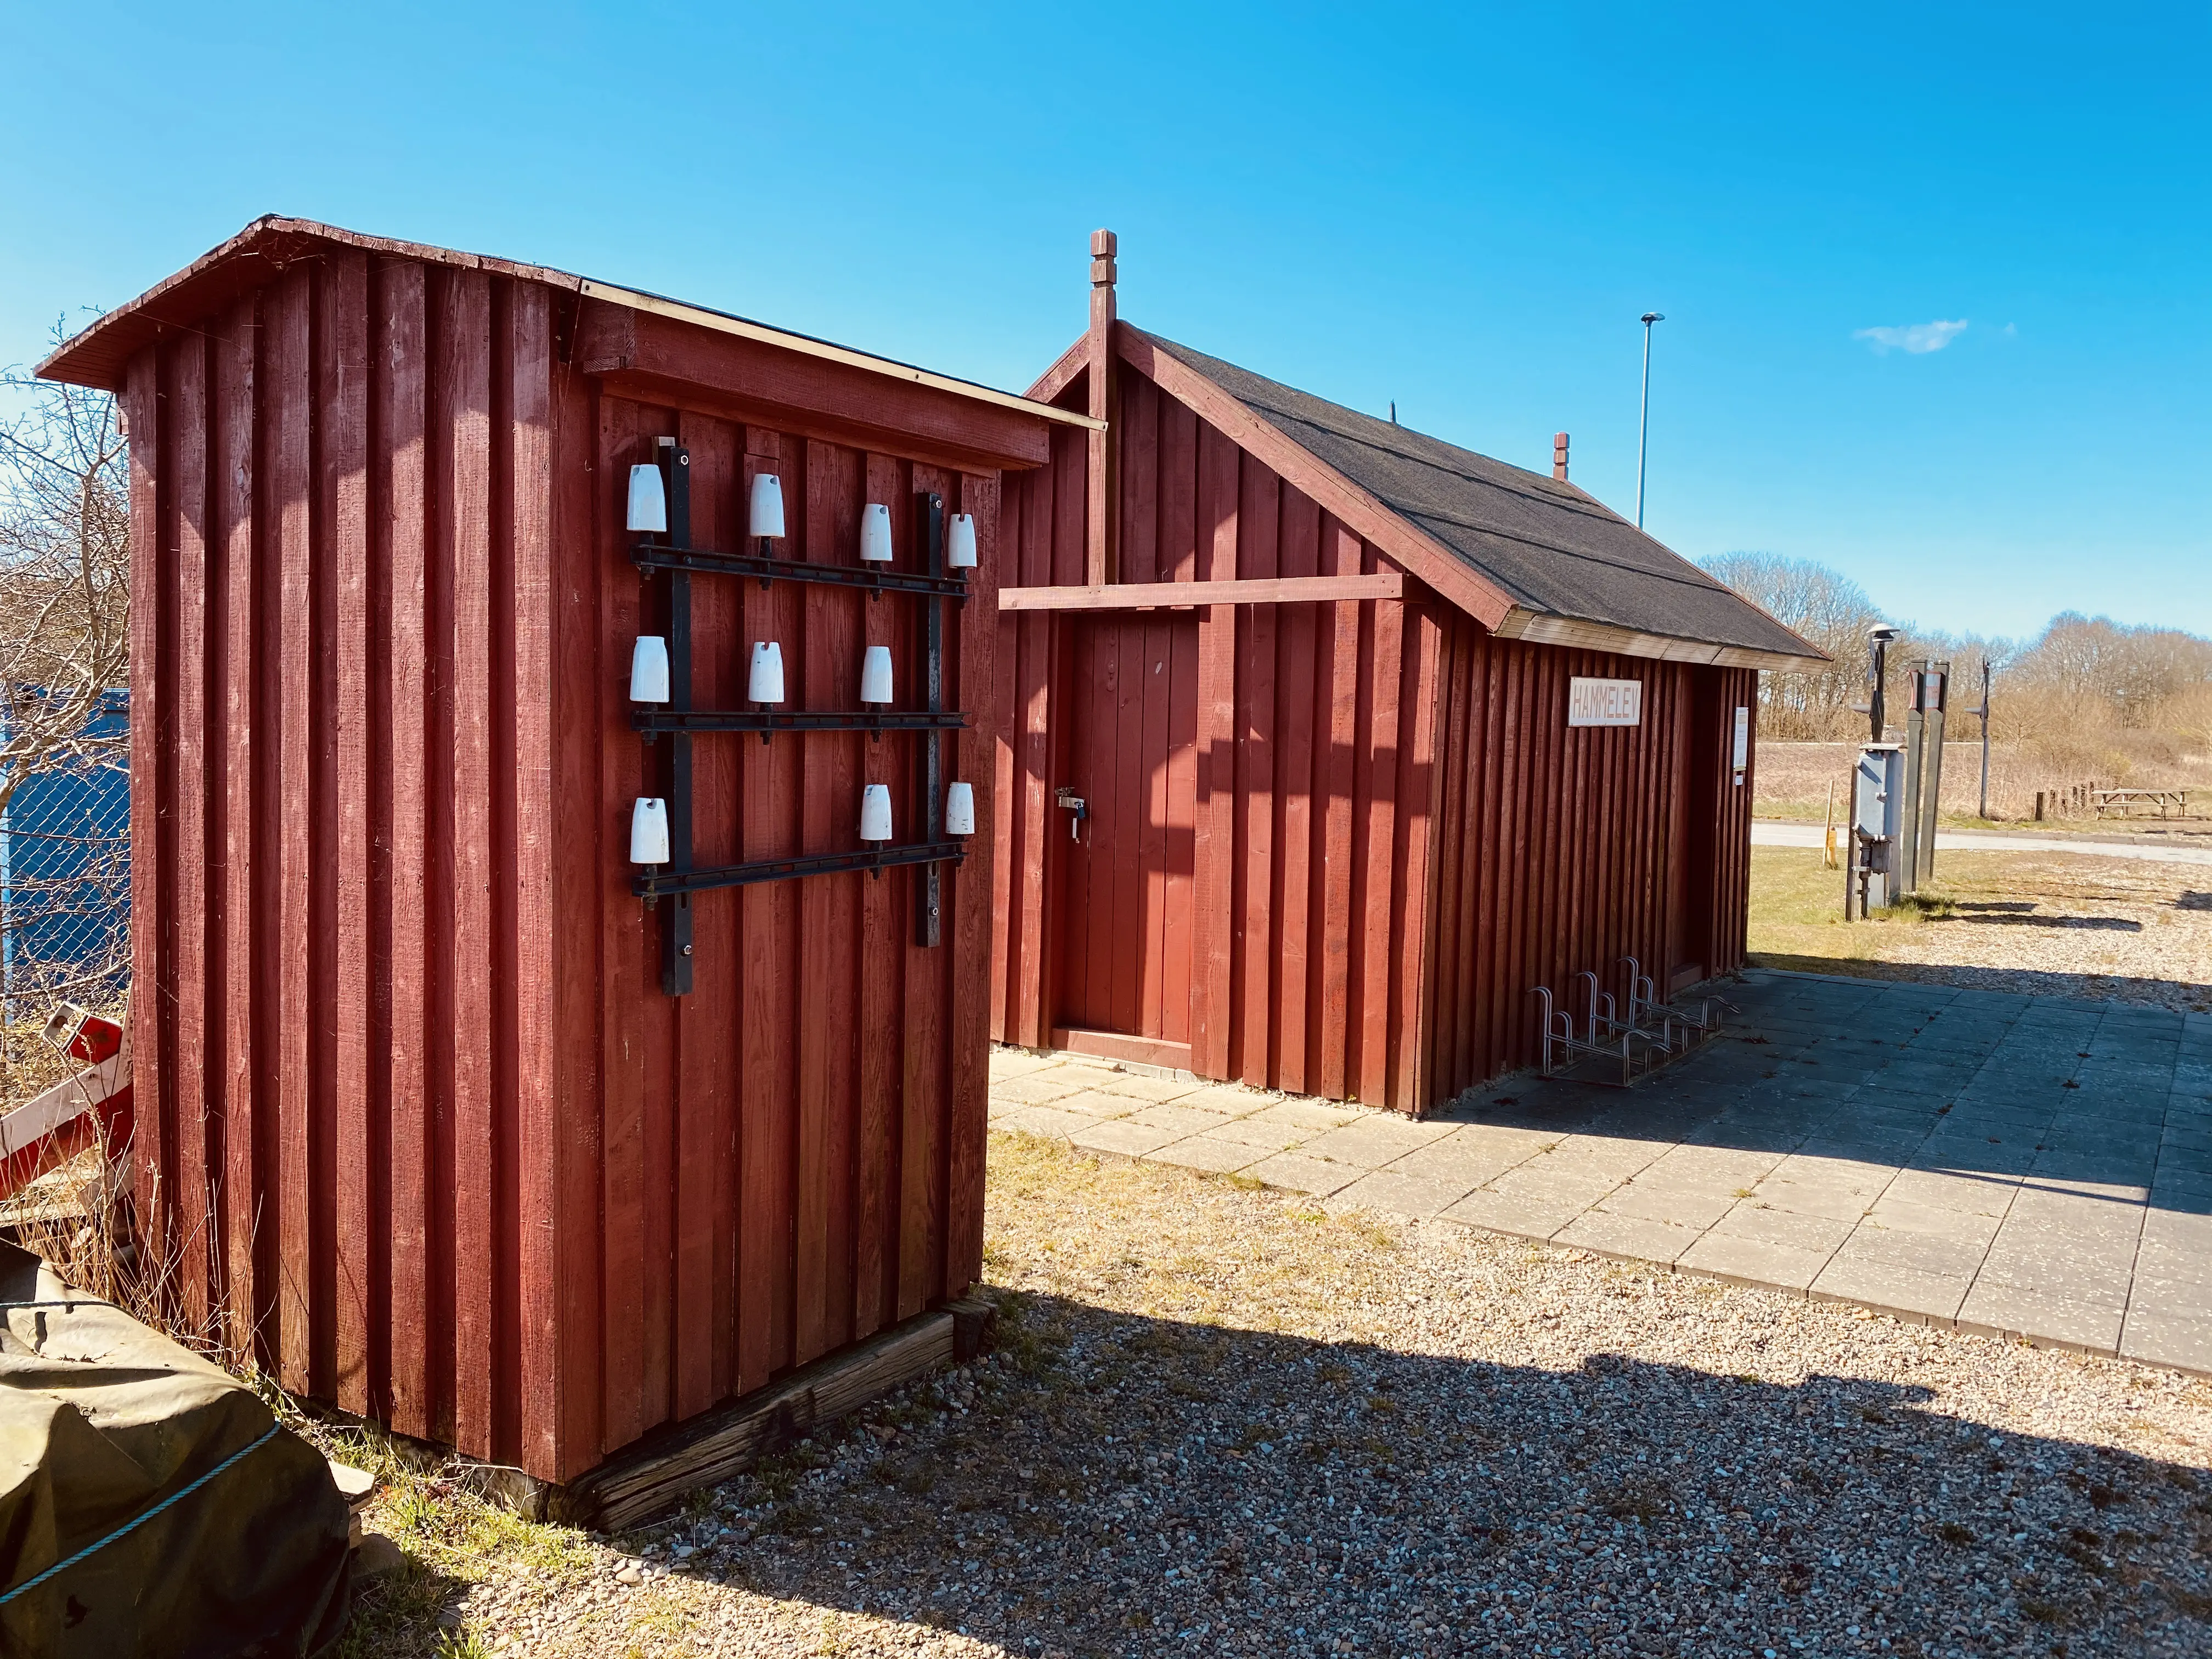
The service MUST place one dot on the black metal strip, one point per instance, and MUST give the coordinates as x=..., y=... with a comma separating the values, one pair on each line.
x=677, y=882
x=676, y=932
x=750, y=720
x=929, y=896
x=660, y=555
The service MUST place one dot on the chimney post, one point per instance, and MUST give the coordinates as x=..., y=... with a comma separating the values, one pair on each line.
x=1102, y=549
x=1559, y=456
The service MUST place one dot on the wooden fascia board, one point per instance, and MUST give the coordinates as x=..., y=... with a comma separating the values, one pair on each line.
x=645, y=354
x=843, y=356
x=1055, y=380
x=1422, y=555
x=1141, y=596
x=1538, y=628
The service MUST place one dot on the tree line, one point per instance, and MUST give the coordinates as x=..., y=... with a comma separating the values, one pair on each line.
x=2082, y=678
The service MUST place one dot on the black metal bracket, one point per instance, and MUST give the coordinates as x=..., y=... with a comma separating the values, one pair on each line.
x=676, y=938
x=752, y=720
x=679, y=883
x=929, y=900
x=677, y=553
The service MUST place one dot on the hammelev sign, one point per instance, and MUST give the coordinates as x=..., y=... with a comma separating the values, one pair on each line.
x=1605, y=703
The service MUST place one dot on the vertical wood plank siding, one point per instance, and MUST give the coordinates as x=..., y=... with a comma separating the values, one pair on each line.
x=1394, y=833
x=419, y=1125
x=1283, y=949
x=1561, y=849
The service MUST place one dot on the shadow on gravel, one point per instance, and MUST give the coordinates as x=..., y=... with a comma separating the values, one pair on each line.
x=1126, y=1485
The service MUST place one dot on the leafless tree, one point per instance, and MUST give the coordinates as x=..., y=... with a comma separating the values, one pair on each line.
x=1820, y=605
x=64, y=576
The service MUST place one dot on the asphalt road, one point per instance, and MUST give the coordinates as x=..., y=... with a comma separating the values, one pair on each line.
x=1767, y=833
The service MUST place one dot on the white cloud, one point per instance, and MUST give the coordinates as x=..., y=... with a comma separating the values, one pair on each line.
x=1916, y=337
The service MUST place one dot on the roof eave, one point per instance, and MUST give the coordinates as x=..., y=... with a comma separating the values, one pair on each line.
x=100, y=356
x=1544, y=628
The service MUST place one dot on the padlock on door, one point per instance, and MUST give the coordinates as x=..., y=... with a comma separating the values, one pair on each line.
x=1069, y=801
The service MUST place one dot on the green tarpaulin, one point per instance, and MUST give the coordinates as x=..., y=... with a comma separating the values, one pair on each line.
x=149, y=1504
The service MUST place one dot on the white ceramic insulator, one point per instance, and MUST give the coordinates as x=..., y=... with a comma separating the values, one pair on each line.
x=648, y=669
x=766, y=683
x=649, y=832
x=876, y=812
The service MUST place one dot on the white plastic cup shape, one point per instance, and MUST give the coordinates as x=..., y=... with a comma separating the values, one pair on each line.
x=648, y=831
x=765, y=512
x=876, y=674
x=960, y=544
x=876, y=533
x=960, y=809
x=876, y=812
x=648, y=669
x=766, y=685
x=648, y=499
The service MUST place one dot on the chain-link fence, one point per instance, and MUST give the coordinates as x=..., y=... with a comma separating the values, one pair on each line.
x=64, y=900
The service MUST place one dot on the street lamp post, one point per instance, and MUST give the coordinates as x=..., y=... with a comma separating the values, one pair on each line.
x=1644, y=419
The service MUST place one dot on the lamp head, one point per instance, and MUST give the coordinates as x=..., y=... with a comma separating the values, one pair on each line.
x=1651, y=317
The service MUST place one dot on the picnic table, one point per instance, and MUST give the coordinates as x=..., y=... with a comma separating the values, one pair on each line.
x=2123, y=803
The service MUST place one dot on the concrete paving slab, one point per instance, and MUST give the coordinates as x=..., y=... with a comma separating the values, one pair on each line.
x=1676, y=1203
x=1097, y=1105
x=1123, y=1139
x=1892, y=1287
x=1760, y=1223
x=1315, y=1116
x=1644, y=1238
x=1402, y=1194
x=2168, y=1338
x=1183, y=1120
x=1753, y=1262
x=1938, y=1256
x=1143, y=1087
x=1232, y=1101
x=1375, y=1141
x=1040, y=1088
x=1302, y=1175
x=1043, y=1120
x=1467, y=1156
x=1259, y=1132
x=2010, y=1310
x=1207, y=1153
x=1520, y=1216
x=1977, y=1194
x=1020, y=1062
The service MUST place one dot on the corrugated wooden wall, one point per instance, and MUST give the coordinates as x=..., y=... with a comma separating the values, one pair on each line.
x=420, y=1128
x=1565, y=848
x=1313, y=779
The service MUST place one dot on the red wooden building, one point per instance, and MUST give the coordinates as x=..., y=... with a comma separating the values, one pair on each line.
x=1290, y=786
x=418, y=1118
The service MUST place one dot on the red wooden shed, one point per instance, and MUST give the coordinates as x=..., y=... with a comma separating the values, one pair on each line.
x=1294, y=781
x=420, y=1119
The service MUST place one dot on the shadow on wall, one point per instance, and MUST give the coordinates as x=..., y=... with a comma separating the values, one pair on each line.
x=1139, y=1485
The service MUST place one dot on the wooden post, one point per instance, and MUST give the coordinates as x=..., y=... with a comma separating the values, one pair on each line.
x=1102, y=561
x=1559, y=456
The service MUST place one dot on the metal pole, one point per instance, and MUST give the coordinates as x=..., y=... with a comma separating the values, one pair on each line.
x=1644, y=419
x=1931, y=797
x=1984, y=713
x=1905, y=871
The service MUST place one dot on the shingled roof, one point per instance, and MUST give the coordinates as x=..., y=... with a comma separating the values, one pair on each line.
x=1576, y=573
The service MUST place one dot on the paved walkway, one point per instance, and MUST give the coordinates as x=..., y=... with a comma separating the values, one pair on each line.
x=2020, y=1166
x=1770, y=832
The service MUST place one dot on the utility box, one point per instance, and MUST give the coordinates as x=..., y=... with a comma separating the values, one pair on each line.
x=449, y=1112
x=1872, y=871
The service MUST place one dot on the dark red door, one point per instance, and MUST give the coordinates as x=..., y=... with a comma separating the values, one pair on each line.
x=1127, y=890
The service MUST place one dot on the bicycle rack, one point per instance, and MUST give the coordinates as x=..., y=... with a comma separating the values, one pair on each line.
x=1654, y=1034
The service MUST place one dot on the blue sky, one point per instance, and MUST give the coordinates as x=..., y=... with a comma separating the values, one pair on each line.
x=1463, y=209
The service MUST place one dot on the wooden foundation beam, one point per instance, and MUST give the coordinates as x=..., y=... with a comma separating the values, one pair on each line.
x=632, y=1486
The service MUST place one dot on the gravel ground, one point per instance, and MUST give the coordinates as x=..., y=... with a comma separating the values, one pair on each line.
x=2107, y=928
x=1221, y=1422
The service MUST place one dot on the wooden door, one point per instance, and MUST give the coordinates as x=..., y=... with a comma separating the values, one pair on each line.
x=1127, y=886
